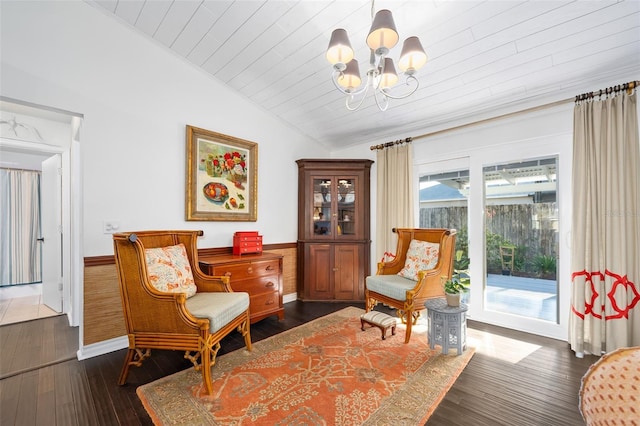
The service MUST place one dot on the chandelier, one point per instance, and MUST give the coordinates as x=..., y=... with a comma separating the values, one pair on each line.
x=381, y=75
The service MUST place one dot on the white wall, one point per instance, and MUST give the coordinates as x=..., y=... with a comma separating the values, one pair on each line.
x=136, y=101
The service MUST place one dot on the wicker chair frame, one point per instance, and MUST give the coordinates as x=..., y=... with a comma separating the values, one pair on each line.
x=430, y=282
x=160, y=320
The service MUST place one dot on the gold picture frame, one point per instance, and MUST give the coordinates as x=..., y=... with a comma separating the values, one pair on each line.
x=222, y=177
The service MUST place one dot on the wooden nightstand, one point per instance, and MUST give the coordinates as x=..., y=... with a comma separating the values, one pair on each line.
x=260, y=275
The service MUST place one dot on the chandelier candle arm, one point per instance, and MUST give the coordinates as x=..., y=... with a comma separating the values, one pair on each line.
x=382, y=74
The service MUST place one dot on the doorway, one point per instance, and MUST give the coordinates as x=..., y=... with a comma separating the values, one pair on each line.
x=42, y=133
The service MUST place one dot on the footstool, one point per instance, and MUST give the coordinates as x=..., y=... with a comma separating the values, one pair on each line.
x=380, y=320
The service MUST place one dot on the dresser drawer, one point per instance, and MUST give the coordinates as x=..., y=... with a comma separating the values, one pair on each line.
x=258, y=285
x=266, y=302
x=241, y=271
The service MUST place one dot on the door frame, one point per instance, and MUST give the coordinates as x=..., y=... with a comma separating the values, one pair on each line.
x=559, y=146
x=72, y=252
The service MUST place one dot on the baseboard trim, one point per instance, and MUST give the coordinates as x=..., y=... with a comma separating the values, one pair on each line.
x=104, y=347
x=292, y=297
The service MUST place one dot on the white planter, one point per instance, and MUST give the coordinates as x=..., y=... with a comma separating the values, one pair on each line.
x=453, y=299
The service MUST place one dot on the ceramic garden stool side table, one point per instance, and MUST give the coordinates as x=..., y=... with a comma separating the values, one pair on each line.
x=447, y=325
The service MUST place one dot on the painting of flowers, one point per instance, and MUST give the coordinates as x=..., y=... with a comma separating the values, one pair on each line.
x=221, y=177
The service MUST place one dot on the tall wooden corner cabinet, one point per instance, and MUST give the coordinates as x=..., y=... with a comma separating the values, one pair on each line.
x=334, y=236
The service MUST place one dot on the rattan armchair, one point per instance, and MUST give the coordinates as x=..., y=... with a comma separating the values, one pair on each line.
x=171, y=320
x=406, y=295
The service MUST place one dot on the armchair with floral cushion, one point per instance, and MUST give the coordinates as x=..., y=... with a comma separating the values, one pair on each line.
x=424, y=260
x=169, y=303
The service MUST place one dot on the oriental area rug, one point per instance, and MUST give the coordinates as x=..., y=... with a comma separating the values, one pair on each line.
x=325, y=372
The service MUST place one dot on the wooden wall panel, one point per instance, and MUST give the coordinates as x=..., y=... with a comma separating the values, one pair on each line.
x=103, y=317
x=289, y=269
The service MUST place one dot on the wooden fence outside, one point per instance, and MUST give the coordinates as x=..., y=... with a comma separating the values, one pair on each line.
x=531, y=228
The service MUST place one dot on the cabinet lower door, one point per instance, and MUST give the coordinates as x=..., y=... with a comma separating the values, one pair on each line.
x=318, y=276
x=334, y=272
x=347, y=272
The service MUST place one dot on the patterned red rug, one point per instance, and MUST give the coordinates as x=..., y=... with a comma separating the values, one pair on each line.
x=325, y=372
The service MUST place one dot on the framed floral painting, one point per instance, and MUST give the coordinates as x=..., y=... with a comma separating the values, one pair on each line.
x=222, y=177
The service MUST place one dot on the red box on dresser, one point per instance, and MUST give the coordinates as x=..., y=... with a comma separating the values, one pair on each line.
x=246, y=242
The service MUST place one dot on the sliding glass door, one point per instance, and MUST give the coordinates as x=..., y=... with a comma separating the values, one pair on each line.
x=444, y=197
x=521, y=238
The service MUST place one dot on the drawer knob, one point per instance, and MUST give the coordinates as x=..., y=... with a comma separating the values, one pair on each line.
x=269, y=302
x=250, y=270
x=270, y=268
x=270, y=284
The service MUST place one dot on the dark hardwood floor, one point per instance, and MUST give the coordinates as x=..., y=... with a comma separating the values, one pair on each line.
x=514, y=378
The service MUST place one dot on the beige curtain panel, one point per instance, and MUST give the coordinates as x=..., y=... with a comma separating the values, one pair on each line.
x=605, y=262
x=20, y=252
x=394, y=195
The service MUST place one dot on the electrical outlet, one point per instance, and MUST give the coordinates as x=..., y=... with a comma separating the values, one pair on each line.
x=111, y=226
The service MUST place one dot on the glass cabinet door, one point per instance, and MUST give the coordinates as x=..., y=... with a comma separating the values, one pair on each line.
x=322, y=215
x=346, y=208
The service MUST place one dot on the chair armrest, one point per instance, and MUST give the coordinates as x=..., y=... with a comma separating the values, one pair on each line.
x=159, y=310
x=429, y=283
x=389, y=268
x=211, y=283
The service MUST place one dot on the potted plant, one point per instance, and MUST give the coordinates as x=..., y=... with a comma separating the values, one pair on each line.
x=453, y=289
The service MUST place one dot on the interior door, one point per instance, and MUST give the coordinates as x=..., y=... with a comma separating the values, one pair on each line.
x=51, y=219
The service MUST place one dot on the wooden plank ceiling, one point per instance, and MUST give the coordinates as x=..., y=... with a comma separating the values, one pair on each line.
x=485, y=57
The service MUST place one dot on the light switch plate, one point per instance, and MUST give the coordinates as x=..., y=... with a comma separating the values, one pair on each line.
x=111, y=226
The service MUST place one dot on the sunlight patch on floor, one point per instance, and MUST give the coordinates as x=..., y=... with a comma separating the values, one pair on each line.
x=500, y=347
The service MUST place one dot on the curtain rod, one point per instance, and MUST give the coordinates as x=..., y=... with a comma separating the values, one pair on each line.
x=628, y=86
x=388, y=144
x=613, y=89
x=20, y=170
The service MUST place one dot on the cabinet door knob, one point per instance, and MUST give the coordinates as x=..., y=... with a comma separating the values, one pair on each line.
x=335, y=269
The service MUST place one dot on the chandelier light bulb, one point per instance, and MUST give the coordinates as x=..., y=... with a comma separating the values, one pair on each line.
x=388, y=76
x=383, y=32
x=339, y=50
x=350, y=77
x=413, y=56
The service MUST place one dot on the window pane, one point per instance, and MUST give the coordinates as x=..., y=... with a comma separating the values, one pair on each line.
x=322, y=206
x=521, y=225
x=443, y=204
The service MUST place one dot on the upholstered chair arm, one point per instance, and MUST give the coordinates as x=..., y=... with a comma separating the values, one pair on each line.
x=210, y=283
x=161, y=310
x=429, y=283
x=390, y=268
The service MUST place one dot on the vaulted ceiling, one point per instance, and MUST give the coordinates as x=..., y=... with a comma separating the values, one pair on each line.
x=485, y=57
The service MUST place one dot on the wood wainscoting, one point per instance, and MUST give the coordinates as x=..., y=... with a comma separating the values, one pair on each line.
x=103, y=318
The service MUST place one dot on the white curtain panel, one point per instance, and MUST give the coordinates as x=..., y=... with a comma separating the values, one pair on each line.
x=20, y=253
x=394, y=195
x=605, y=261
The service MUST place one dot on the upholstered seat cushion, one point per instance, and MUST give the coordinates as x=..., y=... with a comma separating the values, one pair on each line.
x=220, y=308
x=393, y=286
